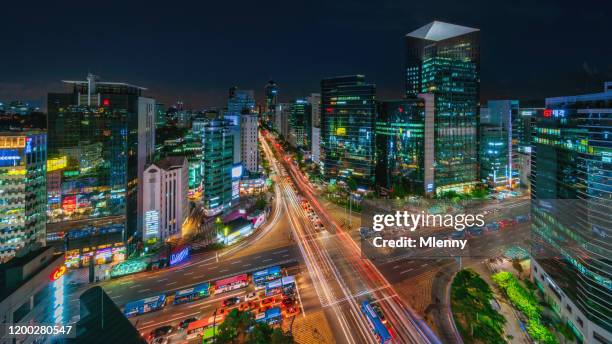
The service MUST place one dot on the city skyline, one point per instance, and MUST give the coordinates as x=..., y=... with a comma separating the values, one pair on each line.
x=194, y=61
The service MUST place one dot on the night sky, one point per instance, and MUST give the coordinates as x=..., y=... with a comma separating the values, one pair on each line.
x=195, y=52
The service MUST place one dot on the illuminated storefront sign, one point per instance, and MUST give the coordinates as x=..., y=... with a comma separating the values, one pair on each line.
x=9, y=157
x=151, y=223
x=237, y=171
x=57, y=273
x=57, y=164
x=12, y=141
x=556, y=113
x=179, y=255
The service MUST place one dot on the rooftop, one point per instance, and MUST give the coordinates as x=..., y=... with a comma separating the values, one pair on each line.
x=438, y=31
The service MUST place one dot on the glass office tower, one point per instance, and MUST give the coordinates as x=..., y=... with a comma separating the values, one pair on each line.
x=400, y=145
x=348, y=112
x=571, y=189
x=105, y=131
x=299, y=124
x=23, y=159
x=444, y=59
x=217, y=163
x=271, y=92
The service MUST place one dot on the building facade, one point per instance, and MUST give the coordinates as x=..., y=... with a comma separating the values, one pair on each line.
x=299, y=124
x=402, y=148
x=347, y=129
x=106, y=133
x=23, y=205
x=444, y=59
x=217, y=165
x=271, y=92
x=249, y=133
x=571, y=190
x=166, y=207
x=314, y=100
x=281, y=119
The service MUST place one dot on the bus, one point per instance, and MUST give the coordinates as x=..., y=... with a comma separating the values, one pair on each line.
x=271, y=316
x=285, y=285
x=260, y=278
x=143, y=306
x=381, y=332
x=199, y=327
x=231, y=283
x=191, y=294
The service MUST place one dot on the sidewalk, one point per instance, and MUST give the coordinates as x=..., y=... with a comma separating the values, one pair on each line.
x=312, y=329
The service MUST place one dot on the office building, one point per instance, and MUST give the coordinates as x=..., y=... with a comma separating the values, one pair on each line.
x=106, y=133
x=444, y=60
x=271, y=92
x=166, y=206
x=217, y=166
x=23, y=201
x=571, y=191
x=30, y=285
x=404, y=153
x=347, y=129
x=281, y=121
x=299, y=124
x=314, y=101
x=522, y=126
x=249, y=131
x=160, y=115
x=497, y=151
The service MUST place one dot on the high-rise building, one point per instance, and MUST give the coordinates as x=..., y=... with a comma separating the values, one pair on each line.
x=106, y=133
x=271, y=92
x=217, y=166
x=23, y=159
x=160, y=115
x=497, y=150
x=347, y=129
x=444, y=59
x=299, y=124
x=165, y=193
x=314, y=101
x=522, y=125
x=241, y=103
x=571, y=191
x=281, y=119
x=403, y=150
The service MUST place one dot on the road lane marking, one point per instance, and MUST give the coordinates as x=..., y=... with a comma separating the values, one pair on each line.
x=236, y=262
x=188, y=273
x=134, y=286
x=245, y=265
x=169, y=320
x=266, y=260
x=405, y=271
x=224, y=270
x=143, y=290
x=171, y=283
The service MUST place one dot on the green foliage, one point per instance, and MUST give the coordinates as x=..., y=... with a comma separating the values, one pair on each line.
x=240, y=327
x=525, y=301
x=471, y=305
x=261, y=203
x=539, y=333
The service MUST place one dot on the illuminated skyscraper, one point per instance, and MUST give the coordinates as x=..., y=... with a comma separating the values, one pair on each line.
x=106, y=132
x=444, y=60
x=348, y=112
x=23, y=198
x=217, y=165
x=403, y=150
x=571, y=191
x=271, y=92
x=299, y=124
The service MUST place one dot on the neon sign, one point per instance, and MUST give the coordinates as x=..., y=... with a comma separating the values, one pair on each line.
x=557, y=113
x=57, y=273
x=179, y=256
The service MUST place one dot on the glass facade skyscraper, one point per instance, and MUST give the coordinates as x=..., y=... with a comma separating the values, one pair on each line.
x=444, y=59
x=23, y=159
x=571, y=189
x=105, y=134
x=400, y=145
x=299, y=124
x=348, y=113
x=271, y=92
x=217, y=166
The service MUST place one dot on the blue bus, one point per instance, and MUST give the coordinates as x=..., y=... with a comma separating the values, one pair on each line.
x=381, y=332
x=260, y=278
x=191, y=294
x=143, y=306
x=285, y=285
x=271, y=316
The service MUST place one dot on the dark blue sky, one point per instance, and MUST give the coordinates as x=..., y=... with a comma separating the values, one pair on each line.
x=194, y=52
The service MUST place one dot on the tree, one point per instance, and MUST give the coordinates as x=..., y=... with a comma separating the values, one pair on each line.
x=352, y=183
x=234, y=327
x=516, y=263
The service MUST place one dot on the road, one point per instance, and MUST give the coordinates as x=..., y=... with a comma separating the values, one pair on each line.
x=342, y=277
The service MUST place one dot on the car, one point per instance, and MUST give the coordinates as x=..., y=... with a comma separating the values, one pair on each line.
x=250, y=296
x=267, y=301
x=161, y=331
x=231, y=301
x=185, y=323
x=160, y=340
